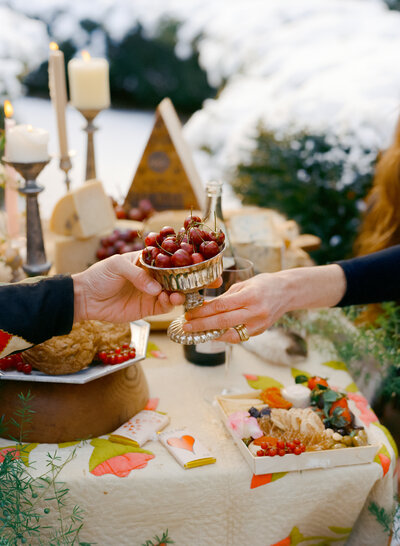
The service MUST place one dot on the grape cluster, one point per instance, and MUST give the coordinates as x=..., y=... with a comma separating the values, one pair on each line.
x=193, y=244
x=15, y=362
x=119, y=241
x=143, y=211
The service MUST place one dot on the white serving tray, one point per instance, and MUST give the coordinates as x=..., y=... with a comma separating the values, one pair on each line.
x=139, y=338
x=305, y=461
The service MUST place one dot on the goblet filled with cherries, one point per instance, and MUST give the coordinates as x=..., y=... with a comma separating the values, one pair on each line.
x=186, y=261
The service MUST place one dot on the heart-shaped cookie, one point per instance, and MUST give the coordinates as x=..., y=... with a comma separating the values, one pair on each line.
x=184, y=442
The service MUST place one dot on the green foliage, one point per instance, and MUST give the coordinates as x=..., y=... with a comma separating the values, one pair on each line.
x=28, y=502
x=143, y=70
x=158, y=541
x=393, y=4
x=384, y=517
x=301, y=177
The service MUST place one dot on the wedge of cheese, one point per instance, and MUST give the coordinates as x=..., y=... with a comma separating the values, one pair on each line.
x=74, y=255
x=84, y=212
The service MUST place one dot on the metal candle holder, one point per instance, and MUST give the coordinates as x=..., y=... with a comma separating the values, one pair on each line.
x=90, y=128
x=36, y=262
x=66, y=165
x=189, y=280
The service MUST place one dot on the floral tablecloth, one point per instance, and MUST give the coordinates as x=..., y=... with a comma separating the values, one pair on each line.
x=130, y=495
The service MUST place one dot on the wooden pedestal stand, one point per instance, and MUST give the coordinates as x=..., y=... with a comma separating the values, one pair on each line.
x=65, y=412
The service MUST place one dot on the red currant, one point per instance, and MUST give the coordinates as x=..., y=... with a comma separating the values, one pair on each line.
x=125, y=346
x=27, y=369
x=273, y=452
x=290, y=446
x=264, y=445
x=20, y=366
x=260, y=453
x=132, y=353
x=297, y=450
x=296, y=442
x=120, y=359
x=117, y=351
x=280, y=444
x=281, y=452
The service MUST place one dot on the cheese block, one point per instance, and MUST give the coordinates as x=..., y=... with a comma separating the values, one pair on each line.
x=173, y=218
x=83, y=212
x=74, y=255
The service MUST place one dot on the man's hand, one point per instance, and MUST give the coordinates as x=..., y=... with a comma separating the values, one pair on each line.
x=117, y=290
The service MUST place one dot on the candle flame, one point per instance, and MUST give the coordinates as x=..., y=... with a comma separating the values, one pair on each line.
x=53, y=46
x=29, y=127
x=8, y=109
x=85, y=55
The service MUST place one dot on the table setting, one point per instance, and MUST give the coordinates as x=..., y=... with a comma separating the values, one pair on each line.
x=153, y=431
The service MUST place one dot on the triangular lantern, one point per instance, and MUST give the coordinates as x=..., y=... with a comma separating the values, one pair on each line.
x=166, y=174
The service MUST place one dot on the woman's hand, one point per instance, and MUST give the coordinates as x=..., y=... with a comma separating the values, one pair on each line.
x=260, y=301
x=117, y=290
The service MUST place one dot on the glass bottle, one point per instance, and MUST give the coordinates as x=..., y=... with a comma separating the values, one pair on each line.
x=212, y=353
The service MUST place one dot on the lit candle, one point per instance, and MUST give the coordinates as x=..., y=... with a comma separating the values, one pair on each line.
x=11, y=185
x=58, y=94
x=89, y=83
x=27, y=144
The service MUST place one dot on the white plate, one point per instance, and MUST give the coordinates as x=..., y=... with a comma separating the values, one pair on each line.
x=139, y=338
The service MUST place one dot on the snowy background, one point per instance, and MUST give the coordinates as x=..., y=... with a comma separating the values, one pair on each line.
x=322, y=66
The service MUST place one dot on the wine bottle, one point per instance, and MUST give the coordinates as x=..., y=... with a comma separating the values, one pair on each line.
x=212, y=353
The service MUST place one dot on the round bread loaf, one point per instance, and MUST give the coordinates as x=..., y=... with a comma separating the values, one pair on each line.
x=75, y=351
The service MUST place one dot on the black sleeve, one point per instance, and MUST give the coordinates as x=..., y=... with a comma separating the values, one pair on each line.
x=34, y=310
x=373, y=278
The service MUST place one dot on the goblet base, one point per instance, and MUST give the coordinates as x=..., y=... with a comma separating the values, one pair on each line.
x=176, y=333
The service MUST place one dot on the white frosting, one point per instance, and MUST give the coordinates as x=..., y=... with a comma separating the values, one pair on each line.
x=298, y=395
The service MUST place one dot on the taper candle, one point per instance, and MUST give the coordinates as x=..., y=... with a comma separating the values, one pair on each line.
x=11, y=184
x=58, y=95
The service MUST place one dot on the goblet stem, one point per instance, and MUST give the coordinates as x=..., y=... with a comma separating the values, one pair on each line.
x=193, y=299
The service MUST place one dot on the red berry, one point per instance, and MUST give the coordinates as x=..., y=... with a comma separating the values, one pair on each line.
x=191, y=220
x=280, y=444
x=264, y=445
x=131, y=235
x=296, y=442
x=281, y=452
x=150, y=239
x=110, y=251
x=197, y=258
x=260, y=453
x=20, y=366
x=120, y=212
x=181, y=258
x=120, y=359
x=125, y=346
x=195, y=237
x=297, y=450
x=117, y=351
x=302, y=447
x=188, y=247
x=146, y=207
x=291, y=446
x=217, y=236
x=113, y=359
x=119, y=245
x=166, y=231
x=132, y=353
x=209, y=249
x=136, y=214
x=27, y=369
x=272, y=452
x=102, y=355
x=205, y=235
x=163, y=261
x=170, y=245
x=101, y=253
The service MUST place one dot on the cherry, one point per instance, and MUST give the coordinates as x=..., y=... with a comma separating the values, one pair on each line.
x=27, y=369
x=101, y=253
x=136, y=214
x=166, y=231
x=149, y=254
x=197, y=258
x=162, y=260
x=119, y=246
x=120, y=212
x=170, y=245
x=280, y=444
x=195, y=236
x=209, y=249
x=281, y=452
x=297, y=450
x=132, y=353
x=260, y=453
x=273, y=451
x=132, y=234
x=191, y=220
x=205, y=235
x=217, y=236
x=151, y=239
x=188, y=247
x=137, y=245
x=112, y=239
x=181, y=258
x=146, y=207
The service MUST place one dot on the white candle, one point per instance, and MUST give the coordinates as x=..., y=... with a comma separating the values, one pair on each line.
x=58, y=94
x=11, y=185
x=89, y=83
x=27, y=144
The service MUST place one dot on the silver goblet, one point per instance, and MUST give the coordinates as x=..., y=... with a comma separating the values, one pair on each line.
x=189, y=280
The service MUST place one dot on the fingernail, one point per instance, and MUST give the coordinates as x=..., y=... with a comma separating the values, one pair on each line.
x=153, y=288
x=188, y=327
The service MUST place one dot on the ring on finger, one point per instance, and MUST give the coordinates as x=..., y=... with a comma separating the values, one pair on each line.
x=242, y=331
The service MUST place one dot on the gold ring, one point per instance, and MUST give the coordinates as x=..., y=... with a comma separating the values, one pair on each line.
x=242, y=331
